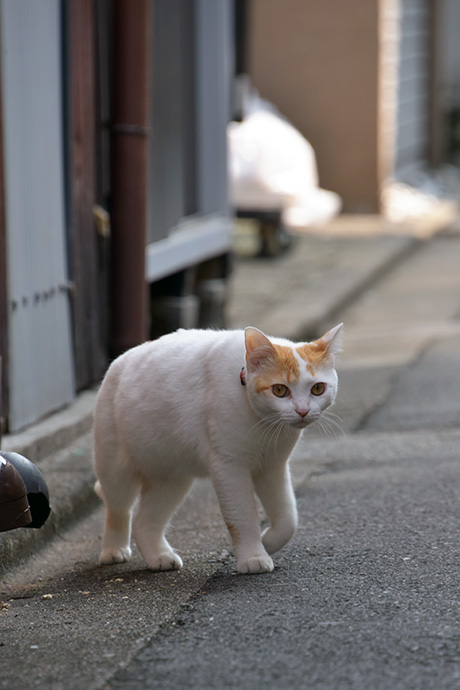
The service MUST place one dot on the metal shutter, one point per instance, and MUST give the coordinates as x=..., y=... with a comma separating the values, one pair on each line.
x=40, y=349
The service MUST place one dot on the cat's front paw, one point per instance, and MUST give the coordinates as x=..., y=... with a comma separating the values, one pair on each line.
x=274, y=539
x=114, y=554
x=255, y=564
x=165, y=561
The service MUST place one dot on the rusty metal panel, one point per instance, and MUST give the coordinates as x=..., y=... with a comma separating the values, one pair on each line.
x=41, y=377
x=89, y=254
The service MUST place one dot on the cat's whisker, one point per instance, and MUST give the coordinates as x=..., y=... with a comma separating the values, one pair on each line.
x=329, y=432
x=283, y=427
x=271, y=432
x=276, y=435
x=280, y=430
x=330, y=413
x=263, y=422
x=332, y=427
x=337, y=422
x=319, y=425
x=266, y=426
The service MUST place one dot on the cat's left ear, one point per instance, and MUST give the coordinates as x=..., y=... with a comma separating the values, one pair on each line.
x=333, y=340
x=259, y=349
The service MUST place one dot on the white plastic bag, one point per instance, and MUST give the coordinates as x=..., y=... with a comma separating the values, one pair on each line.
x=271, y=165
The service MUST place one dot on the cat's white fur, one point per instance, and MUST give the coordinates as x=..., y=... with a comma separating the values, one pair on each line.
x=174, y=409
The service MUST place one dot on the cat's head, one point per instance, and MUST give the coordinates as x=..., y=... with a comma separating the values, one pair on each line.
x=297, y=382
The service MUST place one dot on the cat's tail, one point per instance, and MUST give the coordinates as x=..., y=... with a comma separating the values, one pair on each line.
x=98, y=489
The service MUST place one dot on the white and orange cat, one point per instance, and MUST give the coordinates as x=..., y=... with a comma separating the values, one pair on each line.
x=226, y=404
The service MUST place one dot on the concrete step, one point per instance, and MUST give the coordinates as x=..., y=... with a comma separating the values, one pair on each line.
x=299, y=294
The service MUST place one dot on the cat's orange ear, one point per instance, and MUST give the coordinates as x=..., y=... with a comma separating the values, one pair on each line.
x=333, y=340
x=258, y=348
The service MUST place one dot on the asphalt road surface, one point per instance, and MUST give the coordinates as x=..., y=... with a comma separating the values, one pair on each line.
x=367, y=594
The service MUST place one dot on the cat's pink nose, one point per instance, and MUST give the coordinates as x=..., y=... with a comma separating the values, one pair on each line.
x=302, y=411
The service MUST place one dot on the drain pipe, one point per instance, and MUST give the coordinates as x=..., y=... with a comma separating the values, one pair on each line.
x=129, y=151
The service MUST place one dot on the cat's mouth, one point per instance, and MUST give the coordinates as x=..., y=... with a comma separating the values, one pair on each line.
x=300, y=423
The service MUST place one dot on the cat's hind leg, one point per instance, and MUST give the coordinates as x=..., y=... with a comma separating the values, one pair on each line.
x=159, y=499
x=119, y=496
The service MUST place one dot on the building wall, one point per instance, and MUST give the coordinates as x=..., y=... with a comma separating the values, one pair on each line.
x=413, y=109
x=389, y=35
x=319, y=63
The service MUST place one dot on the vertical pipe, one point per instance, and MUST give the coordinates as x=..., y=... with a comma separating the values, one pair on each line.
x=131, y=30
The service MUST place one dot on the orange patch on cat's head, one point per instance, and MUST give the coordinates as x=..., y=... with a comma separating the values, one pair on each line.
x=269, y=362
x=315, y=354
x=282, y=367
x=321, y=352
x=288, y=364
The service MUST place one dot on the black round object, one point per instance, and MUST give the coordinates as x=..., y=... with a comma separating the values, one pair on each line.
x=37, y=490
x=14, y=506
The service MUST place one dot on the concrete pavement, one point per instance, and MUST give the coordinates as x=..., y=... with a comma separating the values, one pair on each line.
x=366, y=594
x=297, y=294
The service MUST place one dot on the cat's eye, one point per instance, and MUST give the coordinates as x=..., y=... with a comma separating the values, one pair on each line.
x=318, y=388
x=280, y=390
